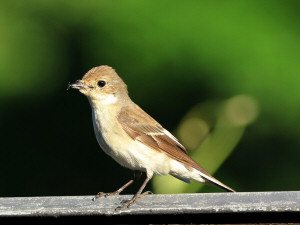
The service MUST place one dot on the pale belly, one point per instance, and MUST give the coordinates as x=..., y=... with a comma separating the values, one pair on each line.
x=135, y=155
x=128, y=152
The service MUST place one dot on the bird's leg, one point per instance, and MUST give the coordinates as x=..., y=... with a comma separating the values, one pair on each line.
x=137, y=175
x=139, y=194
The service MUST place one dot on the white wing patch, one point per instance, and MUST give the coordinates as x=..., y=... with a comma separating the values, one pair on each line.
x=172, y=137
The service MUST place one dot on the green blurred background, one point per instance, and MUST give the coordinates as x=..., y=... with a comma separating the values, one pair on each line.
x=222, y=76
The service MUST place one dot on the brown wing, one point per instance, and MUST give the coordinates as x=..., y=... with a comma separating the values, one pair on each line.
x=140, y=126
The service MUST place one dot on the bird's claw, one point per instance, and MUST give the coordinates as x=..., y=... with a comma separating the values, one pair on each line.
x=102, y=194
x=126, y=203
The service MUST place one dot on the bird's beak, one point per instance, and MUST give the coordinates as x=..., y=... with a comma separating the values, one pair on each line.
x=78, y=85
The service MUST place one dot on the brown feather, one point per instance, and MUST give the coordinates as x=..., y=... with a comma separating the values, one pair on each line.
x=140, y=126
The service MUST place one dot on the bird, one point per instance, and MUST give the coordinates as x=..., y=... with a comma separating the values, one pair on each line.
x=132, y=137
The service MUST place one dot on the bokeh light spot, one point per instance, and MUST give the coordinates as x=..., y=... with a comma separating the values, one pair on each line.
x=241, y=110
x=192, y=132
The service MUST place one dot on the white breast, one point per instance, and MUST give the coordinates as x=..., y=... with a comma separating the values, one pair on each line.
x=128, y=152
x=116, y=143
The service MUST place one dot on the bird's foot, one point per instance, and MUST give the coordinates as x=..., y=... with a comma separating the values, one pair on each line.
x=128, y=203
x=102, y=194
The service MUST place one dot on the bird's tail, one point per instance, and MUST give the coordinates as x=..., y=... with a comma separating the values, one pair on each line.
x=208, y=179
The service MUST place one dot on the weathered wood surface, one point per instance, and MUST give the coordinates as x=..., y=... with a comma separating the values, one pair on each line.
x=157, y=204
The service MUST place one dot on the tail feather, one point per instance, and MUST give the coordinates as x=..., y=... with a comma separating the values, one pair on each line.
x=181, y=178
x=223, y=186
x=213, y=181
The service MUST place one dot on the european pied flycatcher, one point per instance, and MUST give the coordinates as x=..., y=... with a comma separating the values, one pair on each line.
x=132, y=137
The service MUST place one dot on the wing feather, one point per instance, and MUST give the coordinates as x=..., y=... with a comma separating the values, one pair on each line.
x=143, y=128
x=140, y=126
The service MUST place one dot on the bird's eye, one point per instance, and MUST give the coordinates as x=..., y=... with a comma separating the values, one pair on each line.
x=101, y=83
